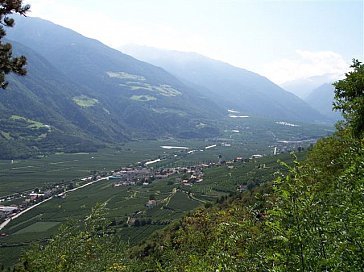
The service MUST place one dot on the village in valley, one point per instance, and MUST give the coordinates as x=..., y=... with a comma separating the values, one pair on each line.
x=141, y=174
x=126, y=176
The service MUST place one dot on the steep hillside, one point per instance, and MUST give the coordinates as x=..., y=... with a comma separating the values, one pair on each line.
x=43, y=112
x=233, y=87
x=321, y=99
x=147, y=100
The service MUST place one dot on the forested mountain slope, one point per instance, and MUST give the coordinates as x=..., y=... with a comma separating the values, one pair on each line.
x=79, y=90
x=234, y=88
x=136, y=91
x=42, y=112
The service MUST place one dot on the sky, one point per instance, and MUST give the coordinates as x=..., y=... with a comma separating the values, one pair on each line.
x=282, y=40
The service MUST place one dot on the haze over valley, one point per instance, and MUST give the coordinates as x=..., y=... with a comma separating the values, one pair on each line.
x=181, y=136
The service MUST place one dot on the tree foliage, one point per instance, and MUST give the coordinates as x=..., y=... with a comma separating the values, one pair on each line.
x=8, y=63
x=78, y=246
x=312, y=220
x=349, y=96
x=316, y=221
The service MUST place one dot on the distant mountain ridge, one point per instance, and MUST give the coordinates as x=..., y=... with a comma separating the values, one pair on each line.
x=233, y=87
x=89, y=93
x=303, y=87
x=322, y=99
x=80, y=94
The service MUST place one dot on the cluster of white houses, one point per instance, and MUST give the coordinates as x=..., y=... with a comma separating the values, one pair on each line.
x=5, y=211
x=145, y=176
x=29, y=199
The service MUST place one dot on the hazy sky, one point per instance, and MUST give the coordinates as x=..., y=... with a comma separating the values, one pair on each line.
x=283, y=40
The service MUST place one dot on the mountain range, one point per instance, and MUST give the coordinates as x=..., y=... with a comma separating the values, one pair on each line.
x=322, y=99
x=80, y=94
x=305, y=86
x=234, y=88
x=86, y=91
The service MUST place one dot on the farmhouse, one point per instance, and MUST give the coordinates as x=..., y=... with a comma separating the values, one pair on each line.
x=34, y=196
x=151, y=203
x=6, y=210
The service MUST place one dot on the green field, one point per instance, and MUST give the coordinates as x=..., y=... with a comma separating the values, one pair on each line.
x=182, y=202
x=241, y=138
x=38, y=227
x=84, y=101
x=32, y=124
x=21, y=175
x=123, y=203
x=173, y=200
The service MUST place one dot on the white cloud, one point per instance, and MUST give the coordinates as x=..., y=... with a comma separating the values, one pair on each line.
x=158, y=35
x=306, y=64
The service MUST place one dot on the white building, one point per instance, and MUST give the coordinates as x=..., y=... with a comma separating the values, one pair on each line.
x=6, y=210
